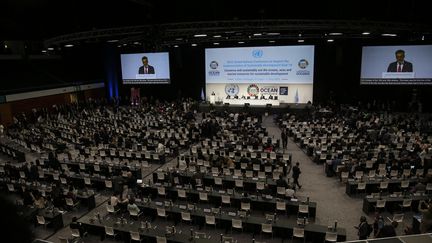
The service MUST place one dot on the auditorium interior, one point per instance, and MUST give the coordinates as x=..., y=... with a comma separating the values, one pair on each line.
x=227, y=121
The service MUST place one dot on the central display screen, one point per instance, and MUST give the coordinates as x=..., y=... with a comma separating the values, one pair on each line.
x=260, y=75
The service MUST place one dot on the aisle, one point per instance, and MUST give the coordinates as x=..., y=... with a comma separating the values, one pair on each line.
x=332, y=202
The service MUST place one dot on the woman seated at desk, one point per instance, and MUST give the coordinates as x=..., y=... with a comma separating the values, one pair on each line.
x=39, y=201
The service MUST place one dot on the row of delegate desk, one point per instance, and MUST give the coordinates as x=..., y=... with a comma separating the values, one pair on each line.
x=372, y=185
x=257, y=202
x=249, y=184
x=13, y=150
x=281, y=227
x=393, y=202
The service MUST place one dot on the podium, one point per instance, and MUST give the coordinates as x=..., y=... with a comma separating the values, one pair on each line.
x=212, y=99
x=398, y=75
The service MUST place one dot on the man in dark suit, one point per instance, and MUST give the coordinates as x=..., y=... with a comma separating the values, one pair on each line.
x=145, y=68
x=400, y=65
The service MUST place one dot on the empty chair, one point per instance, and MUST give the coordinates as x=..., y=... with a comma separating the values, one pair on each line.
x=245, y=206
x=371, y=174
x=161, y=191
x=429, y=187
x=267, y=229
x=260, y=185
x=280, y=191
x=185, y=216
x=280, y=206
x=236, y=224
x=406, y=203
x=404, y=184
x=239, y=183
x=393, y=173
x=210, y=220
x=380, y=205
x=135, y=236
x=298, y=233
x=261, y=175
x=108, y=184
x=87, y=181
x=162, y=213
x=161, y=239
x=361, y=186
x=218, y=181
x=181, y=194
x=249, y=174
x=330, y=236
x=41, y=220
x=225, y=199
x=109, y=231
x=344, y=176
x=383, y=185
x=406, y=173
x=203, y=197
x=303, y=210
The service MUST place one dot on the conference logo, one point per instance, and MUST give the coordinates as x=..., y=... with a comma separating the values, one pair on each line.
x=257, y=53
x=214, y=65
x=303, y=63
x=283, y=90
x=269, y=90
x=232, y=89
x=253, y=90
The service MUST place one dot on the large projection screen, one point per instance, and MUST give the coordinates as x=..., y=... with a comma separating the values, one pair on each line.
x=396, y=65
x=260, y=75
x=145, y=68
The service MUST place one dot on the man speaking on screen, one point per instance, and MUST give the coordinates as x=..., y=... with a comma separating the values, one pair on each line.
x=400, y=65
x=145, y=68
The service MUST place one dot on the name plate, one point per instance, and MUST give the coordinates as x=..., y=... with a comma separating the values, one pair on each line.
x=207, y=210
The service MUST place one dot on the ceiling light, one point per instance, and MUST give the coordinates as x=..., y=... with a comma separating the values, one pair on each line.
x=300, y=41
x=273, y=33
x=112, y=41
x=50, y=48
x=387, y=34
x=176, y=46
x=69, y=45
x=44, y=51
x=216, y=43
x=194, y=44
x=241, y=42
x=330, y=40
x=217, y=36
x=179, y=39
x=366, y=33
x=271, y=41
x=136, y=43
x=200, y=35
x=257, y=34
x=335, y=33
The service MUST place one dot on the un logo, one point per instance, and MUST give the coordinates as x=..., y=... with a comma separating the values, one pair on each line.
x=257, y=53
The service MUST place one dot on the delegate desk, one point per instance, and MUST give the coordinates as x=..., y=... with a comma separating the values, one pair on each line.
x=96, y=226
x=373, y=185
x=257, y=202
x=249, y=184
x=281, y=227
x=392, y=202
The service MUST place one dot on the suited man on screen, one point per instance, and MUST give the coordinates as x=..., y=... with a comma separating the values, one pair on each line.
x=145, y=68
x=400, y=65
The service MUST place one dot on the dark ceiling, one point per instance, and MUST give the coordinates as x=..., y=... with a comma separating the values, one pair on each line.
x=42, y=19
